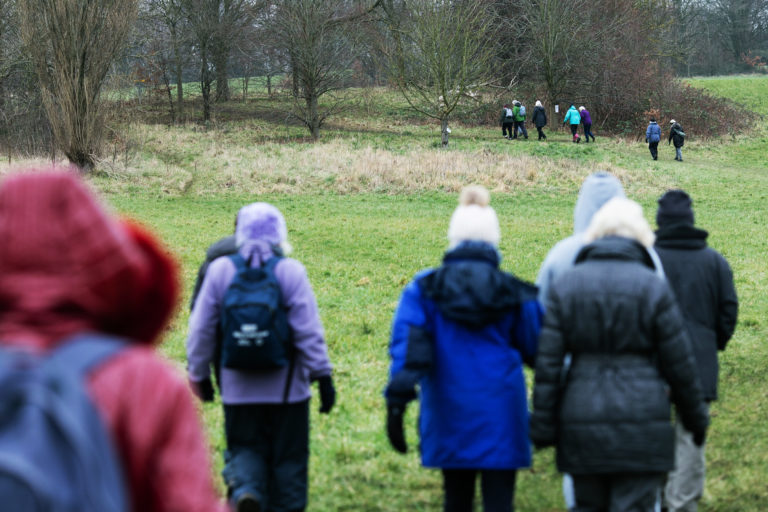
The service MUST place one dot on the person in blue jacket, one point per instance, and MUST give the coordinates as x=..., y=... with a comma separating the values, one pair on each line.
x=652, y=137
x=573, y=119
x=461, y=333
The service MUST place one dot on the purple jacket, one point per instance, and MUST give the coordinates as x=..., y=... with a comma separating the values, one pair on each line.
x=585, y=117
x=239, y=387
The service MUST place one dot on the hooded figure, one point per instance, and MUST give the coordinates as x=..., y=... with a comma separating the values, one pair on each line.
x=507, y=121
x=703, y=284
x=461, y=333
x=573, y=119
x=652, y=137
x=608, y=411
x=677, y=137
x=596, y=190
x=539, y=119
x=266, y=413
x=586, y=122
x=68, y=267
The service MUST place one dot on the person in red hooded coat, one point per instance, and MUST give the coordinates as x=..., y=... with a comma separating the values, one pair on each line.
x=68, y=267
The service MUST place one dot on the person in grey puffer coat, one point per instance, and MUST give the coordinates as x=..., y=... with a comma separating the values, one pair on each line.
x=609, y=413
x=596, y=190
x=703, y=285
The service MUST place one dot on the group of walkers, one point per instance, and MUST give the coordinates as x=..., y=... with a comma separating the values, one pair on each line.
x=512, y=121
x=676, y=137
x=623, y=324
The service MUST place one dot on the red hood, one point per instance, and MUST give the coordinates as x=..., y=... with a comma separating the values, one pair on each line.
x=67, y=266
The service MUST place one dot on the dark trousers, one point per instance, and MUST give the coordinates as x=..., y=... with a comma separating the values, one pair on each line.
x=268, y=453
x=654, y=148
x=498, y=489
x=619, y=492
x=520, y=125
x=540, y=129
x=588, y=132
x=574, y=130
x=506, y=128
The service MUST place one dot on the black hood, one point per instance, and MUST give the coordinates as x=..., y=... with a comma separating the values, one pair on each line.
x=470, y=289
x=681, y=236
x=616, y=248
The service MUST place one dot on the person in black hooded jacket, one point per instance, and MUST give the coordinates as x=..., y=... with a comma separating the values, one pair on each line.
x=703, y=285
x=613, y=353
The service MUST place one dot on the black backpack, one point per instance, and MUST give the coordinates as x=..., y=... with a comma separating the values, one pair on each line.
x=254, y=325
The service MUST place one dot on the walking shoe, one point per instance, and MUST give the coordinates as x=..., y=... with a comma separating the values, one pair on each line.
x=247, y=502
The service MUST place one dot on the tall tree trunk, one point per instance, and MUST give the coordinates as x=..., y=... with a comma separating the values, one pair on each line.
x=314, y=117
x=179, y=65
x=444, y=131
x=205, y=85
x=220, y=61
x=294, y=76
x=269, y=84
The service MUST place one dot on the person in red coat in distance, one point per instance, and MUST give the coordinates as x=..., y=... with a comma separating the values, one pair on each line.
x=67, y=267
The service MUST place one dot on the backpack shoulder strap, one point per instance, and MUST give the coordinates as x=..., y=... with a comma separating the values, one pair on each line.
x=85, y=351
x=238, y=260
x=271, y=263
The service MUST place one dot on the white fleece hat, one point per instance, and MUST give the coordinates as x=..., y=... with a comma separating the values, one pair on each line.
x=474, y=219
x=538, y=103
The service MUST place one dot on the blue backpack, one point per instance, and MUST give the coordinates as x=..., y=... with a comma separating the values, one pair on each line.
x=255, y=332
x=522, y=110
x=55, y=452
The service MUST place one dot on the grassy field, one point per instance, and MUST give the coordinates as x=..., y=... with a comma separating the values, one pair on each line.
x=369, y=205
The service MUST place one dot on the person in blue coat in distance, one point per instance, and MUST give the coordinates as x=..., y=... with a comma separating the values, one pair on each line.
x=652, y=137
x=461, y=333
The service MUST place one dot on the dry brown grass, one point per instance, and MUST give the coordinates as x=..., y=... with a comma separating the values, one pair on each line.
x=214, y=167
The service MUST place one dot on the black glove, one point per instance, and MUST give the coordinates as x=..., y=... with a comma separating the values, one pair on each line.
x=203, y=389
x=327, y=393
x=395, y=427
x=699, y=437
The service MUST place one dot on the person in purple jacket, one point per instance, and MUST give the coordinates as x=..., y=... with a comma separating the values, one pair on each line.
x=586, y=121
x=266, y=414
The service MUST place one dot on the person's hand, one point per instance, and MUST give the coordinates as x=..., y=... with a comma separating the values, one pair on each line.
x=327, y=393
x=395, y=431
x=203, y=389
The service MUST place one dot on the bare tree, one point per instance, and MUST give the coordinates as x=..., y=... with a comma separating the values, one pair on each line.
x=170, y=14
x=560, y=40
x=72, y=44
x=202, y=16
x=319, y=37
x=742, y=24
x=441, y=52
x=233, y=17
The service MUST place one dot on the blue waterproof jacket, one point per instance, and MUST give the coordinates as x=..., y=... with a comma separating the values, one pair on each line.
x=480, y=324
x=572, y=116
x=653, y=132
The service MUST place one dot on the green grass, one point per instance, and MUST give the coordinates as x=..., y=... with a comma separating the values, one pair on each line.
x=362, y=230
